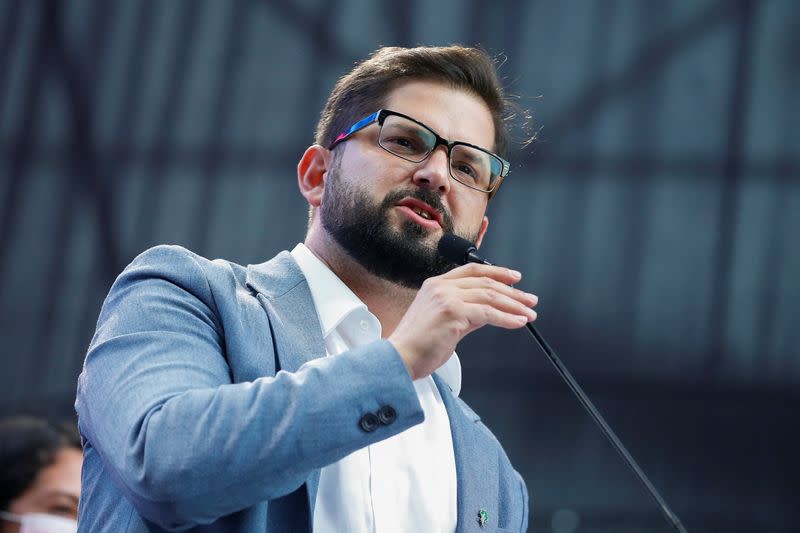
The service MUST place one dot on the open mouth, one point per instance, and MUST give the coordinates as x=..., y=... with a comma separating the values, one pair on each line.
x=423, y=214
x=422, y=211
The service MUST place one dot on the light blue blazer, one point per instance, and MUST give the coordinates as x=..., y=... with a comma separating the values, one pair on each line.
x=198, y=413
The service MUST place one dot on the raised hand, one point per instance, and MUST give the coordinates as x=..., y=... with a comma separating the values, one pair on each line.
x=450, y=306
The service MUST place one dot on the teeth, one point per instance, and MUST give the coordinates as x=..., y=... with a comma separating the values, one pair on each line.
x=423, y=214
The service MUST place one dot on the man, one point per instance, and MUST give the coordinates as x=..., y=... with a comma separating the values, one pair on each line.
x=319, y=389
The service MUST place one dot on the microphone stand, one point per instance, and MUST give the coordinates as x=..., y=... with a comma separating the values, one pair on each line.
x=670, y=516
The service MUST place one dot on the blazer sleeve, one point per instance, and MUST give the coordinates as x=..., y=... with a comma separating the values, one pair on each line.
x=183, y=442
x=525, y=503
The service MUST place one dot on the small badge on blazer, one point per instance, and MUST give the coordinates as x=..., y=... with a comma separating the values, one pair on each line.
x=483, y=517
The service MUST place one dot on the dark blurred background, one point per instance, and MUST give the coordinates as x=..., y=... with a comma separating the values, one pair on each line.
x=655, y=215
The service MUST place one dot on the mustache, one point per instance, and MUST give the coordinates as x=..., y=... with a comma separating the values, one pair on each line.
x=423, y=195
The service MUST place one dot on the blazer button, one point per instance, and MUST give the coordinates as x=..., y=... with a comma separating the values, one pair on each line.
x=369, y=422
x=387, y=415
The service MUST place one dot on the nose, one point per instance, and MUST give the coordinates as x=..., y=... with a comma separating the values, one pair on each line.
x=434, y=172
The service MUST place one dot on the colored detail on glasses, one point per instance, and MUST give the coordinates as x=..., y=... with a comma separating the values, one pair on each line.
x=361, y=124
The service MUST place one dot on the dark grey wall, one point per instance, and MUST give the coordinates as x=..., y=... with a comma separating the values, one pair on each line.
x=655, y=216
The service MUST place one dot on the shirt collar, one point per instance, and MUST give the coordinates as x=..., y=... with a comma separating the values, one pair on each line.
x=335, y=301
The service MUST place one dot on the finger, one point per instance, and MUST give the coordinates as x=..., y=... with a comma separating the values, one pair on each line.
x=480, y=315
x=527, y=298
x=498, y=300
x=501, y=274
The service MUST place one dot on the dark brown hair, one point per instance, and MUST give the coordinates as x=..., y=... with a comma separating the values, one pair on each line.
x=364, y=89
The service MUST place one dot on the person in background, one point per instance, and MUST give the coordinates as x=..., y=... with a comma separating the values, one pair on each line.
x=40, y=476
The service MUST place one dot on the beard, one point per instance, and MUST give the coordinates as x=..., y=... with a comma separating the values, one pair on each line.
x=362, y=228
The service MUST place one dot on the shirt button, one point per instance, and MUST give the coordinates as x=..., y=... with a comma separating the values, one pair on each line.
x=369, y=422
x=364, y=325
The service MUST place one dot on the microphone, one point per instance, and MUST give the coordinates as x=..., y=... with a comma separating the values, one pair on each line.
x=461, y=251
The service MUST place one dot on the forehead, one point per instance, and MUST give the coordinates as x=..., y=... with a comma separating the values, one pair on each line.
x=65, y=471
x=455, y=114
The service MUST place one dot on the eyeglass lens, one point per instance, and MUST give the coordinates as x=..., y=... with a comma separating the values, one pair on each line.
x=413, y=142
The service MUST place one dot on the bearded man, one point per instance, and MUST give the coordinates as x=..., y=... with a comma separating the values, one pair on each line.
x=319, y=390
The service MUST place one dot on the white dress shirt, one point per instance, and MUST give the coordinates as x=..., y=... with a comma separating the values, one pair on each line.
x=406, y=482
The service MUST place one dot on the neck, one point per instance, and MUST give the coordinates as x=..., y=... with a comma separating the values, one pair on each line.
x=386, y=300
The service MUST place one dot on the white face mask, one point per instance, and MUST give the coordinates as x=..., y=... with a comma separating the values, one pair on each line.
x=41, y=523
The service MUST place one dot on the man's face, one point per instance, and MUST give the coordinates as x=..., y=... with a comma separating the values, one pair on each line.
x=372, y=200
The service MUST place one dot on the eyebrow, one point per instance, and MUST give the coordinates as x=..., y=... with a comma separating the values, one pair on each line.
x=416, y=128
x=61, y=494
x=472, y=157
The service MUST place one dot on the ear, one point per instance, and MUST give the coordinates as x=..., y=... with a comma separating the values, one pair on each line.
x=482, y=232
x=311, y=173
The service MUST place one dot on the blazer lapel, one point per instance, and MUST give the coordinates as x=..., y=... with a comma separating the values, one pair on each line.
x=476, y=464
x=283, y=292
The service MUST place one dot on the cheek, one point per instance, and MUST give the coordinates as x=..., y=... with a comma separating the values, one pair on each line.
x=469, y=229
x=468, y=212
x=25, y=503
x=357, y=163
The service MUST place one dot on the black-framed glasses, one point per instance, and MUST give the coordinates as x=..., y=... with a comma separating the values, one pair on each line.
x=413, y=141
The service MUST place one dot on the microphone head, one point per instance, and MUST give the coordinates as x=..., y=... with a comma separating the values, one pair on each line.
x=456, y=249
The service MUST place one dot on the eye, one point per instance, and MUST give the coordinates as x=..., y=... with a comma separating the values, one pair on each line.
x=400, y=141
x=404, y=144
x=63, y=510
x=465, y=170
x=465, y=167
